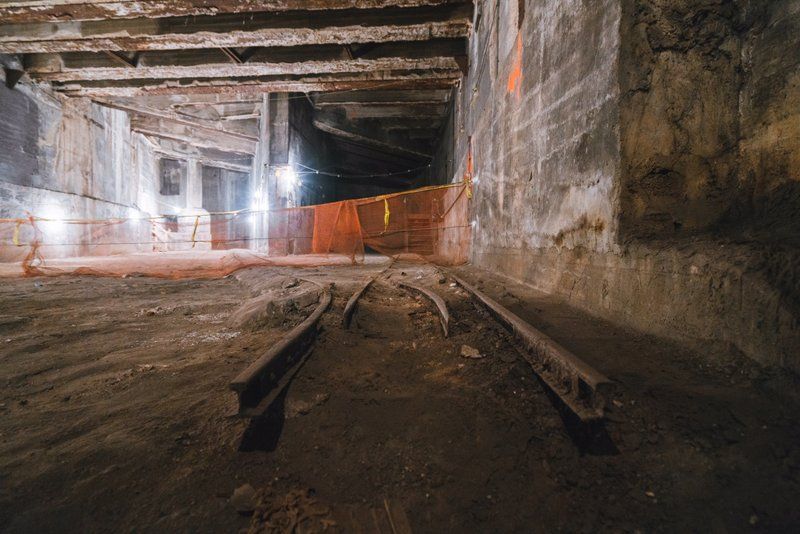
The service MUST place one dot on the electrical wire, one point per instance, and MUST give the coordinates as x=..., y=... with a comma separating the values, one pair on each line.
x=382, y=85
x=311, y=170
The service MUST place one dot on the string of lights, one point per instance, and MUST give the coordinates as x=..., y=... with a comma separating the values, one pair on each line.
x=311, y=170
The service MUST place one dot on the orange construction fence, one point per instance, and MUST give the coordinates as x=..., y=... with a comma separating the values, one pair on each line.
x=428, y=224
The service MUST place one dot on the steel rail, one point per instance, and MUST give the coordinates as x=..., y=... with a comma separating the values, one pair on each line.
x=582, y=388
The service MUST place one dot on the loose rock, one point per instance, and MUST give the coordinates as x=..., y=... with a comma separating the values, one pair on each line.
x=470, y=352
x=244, y=499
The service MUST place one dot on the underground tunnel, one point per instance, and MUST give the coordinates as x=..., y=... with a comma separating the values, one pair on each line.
x=394, y=266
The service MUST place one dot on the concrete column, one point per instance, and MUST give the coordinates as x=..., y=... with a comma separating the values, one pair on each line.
x=279, y=148
x=258, y=179
x=194, y=185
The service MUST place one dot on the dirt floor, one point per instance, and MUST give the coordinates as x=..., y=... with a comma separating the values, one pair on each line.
x=115, y=415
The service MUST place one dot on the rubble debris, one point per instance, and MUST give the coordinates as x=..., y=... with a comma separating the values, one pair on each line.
x=298, y=512
x=470, y=352
x=244, y=499
x=296, y=407
x=267, y=310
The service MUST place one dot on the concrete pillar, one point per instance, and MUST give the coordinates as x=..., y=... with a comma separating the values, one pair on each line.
x=194, y=185
x=279, y=148
x=258, y=179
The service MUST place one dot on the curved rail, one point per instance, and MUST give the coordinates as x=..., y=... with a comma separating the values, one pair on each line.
x=352, y=302
x=441, y=307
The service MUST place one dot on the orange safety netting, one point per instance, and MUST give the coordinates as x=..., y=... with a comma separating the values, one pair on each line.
x=429, y=224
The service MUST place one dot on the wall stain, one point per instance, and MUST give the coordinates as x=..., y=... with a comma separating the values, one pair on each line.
x=581, y=225
x=515, y=76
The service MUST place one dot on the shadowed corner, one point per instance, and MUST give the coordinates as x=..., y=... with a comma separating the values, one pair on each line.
x=590, y=437
x=264, y=432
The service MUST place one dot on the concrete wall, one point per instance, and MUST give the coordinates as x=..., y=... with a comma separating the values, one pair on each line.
x=307, y=145
x=71, y=147
x=64, y=159
x=443, y=165
x=539, y=105
x=617, y=144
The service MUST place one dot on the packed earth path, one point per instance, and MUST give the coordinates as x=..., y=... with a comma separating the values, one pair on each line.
x=115, y=420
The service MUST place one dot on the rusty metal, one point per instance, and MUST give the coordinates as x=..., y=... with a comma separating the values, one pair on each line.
x=582, y=388
x=352, y=302
x=259, y=384
x=441, y=307
x=232, y=55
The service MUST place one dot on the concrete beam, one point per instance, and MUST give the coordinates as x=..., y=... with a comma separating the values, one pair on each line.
x=166, y=129
x=183, y=150
x=366, y=159
x=20, y=11
x=361, y=139
x=241, y=86
x=414, y=123
x=230, y=70
x=373, y=128
x=239, y=31
x=180, y=101
x=244, y=117
x=399, y=110
x=203, y=160
x=380, y=98
x=195, y=123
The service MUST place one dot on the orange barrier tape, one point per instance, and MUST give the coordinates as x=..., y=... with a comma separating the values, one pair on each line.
x=429, y=223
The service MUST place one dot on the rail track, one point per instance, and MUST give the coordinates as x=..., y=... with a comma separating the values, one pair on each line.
x=462, y=311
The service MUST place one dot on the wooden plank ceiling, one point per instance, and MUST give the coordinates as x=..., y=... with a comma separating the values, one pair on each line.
x=378, y=73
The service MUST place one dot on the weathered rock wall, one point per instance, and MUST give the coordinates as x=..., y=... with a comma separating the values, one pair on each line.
x=623, y=153
x=769, y=149
x=709, y=118
x=72, y=147
x=679, y=76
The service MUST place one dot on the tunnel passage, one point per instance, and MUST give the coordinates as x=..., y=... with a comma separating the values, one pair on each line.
x=619, y=176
